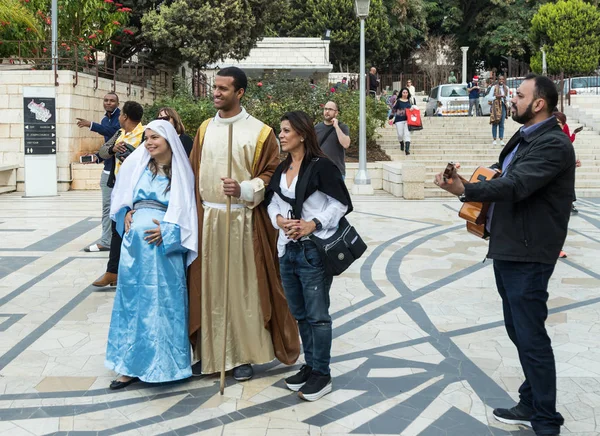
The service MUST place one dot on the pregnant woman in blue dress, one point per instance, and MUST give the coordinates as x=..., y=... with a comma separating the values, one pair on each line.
x=154, y=207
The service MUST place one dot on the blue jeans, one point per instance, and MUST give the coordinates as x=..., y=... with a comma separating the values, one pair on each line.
x=523, y=287
x=501, y=125
x=306, y=285
x=474, y=102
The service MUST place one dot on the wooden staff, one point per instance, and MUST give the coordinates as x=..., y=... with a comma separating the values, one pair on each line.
x=227, y=255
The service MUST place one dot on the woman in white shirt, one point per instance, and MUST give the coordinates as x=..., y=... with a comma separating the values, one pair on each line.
x=305, y=280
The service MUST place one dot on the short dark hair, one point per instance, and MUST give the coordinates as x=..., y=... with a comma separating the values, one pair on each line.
x=133, y=110
x=112, y=93
x=240, y=80
x=544, y=89
x=337, y=105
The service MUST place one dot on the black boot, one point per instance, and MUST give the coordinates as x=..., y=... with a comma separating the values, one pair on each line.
x=401, y=145
x=407, y=148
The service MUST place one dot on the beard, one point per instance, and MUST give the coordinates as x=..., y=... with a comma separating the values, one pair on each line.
x=526, y=116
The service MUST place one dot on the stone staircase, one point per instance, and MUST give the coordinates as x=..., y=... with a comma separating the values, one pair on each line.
x=469, y=141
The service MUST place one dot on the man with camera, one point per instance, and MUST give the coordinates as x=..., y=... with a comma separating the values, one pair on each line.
x=107, y=128
x=127, y=139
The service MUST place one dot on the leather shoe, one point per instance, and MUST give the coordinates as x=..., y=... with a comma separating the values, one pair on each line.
x=243, y=372
x=197, y=369
x=116, y=384
x=95, y=248
x=108, y=279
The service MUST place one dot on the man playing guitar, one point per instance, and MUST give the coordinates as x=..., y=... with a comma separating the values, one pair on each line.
x=527, y=222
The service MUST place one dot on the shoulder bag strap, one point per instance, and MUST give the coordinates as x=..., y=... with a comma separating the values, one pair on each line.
x=322, y=141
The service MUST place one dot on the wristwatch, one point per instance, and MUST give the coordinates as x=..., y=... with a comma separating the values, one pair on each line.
x=462, y=197
x=318, y=224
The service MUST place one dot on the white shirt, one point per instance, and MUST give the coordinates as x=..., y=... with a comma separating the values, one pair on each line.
x=321, y=206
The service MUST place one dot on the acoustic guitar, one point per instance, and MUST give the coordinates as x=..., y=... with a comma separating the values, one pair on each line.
x=474, y=213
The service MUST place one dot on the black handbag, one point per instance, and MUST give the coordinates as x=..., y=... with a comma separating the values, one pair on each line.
x=340, y=250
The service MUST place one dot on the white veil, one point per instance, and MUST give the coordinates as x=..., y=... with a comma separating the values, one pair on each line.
x=182, y=202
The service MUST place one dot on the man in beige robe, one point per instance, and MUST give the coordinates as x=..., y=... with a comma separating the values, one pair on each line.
x=260, y=326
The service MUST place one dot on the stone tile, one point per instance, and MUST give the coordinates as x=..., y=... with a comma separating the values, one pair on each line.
x=404, y=323
x=60, y=384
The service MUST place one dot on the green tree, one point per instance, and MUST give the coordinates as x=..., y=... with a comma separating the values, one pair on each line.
x=206, y=31
x=408, y=25
x=18, y=23
x=97, y=23
x=274, y=94
x=491, y=29
x=305, y=18
x=506, y=30
x=570, y=32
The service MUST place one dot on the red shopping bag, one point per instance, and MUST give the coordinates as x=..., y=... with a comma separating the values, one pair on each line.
x=413, y=119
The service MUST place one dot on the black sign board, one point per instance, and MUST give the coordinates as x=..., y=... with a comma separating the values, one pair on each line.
x=39, y=118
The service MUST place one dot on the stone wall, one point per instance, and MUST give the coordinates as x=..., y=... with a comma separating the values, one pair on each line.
x=80, y=101
x=404, y=179
x=374, y=169
x=296, y=56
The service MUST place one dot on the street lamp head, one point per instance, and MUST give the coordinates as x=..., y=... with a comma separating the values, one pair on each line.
x=362, y=8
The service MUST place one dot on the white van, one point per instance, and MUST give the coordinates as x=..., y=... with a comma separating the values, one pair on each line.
x=454, y=98
x=589, y=85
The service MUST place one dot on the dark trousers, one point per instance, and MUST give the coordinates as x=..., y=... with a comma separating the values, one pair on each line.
x=115, y=251
x=523, y=287
x=306, y=285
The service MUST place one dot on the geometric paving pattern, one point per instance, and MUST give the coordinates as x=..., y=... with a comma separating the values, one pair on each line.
x=419, y=344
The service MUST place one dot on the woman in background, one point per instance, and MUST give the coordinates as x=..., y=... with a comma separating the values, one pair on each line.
x=169, y=114
x=401, y=120
x=562, y=122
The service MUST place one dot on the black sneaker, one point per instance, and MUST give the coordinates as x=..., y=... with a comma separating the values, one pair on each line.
x=243, y=372
x=298, y=380
x=317, y=386
x=519, y=414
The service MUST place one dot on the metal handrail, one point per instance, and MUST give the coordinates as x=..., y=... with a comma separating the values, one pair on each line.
x=80, y=57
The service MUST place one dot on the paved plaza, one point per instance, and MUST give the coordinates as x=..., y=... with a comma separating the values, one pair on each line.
x=419, y=344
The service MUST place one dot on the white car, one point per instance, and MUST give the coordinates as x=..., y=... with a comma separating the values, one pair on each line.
x=454, y=99
x=589, y=85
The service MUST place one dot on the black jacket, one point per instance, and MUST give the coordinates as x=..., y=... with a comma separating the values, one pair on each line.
x=533, y=200
x=324, y=177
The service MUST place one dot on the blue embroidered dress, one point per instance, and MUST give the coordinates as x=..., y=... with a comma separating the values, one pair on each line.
x=148, y=336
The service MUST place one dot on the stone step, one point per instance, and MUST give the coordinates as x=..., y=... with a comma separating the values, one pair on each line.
x=466, y=161
x=447, y=136
x=579, y=184
x=440, y=193
x=587, y=192
x=441, y=140
x=466, y=172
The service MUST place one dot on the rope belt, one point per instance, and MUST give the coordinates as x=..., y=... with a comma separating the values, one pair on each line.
x=221, y=205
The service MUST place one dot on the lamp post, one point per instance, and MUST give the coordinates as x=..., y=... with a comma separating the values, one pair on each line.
x=464, y=64
x=55, y=35
x=544, y=64
x=362, y=181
